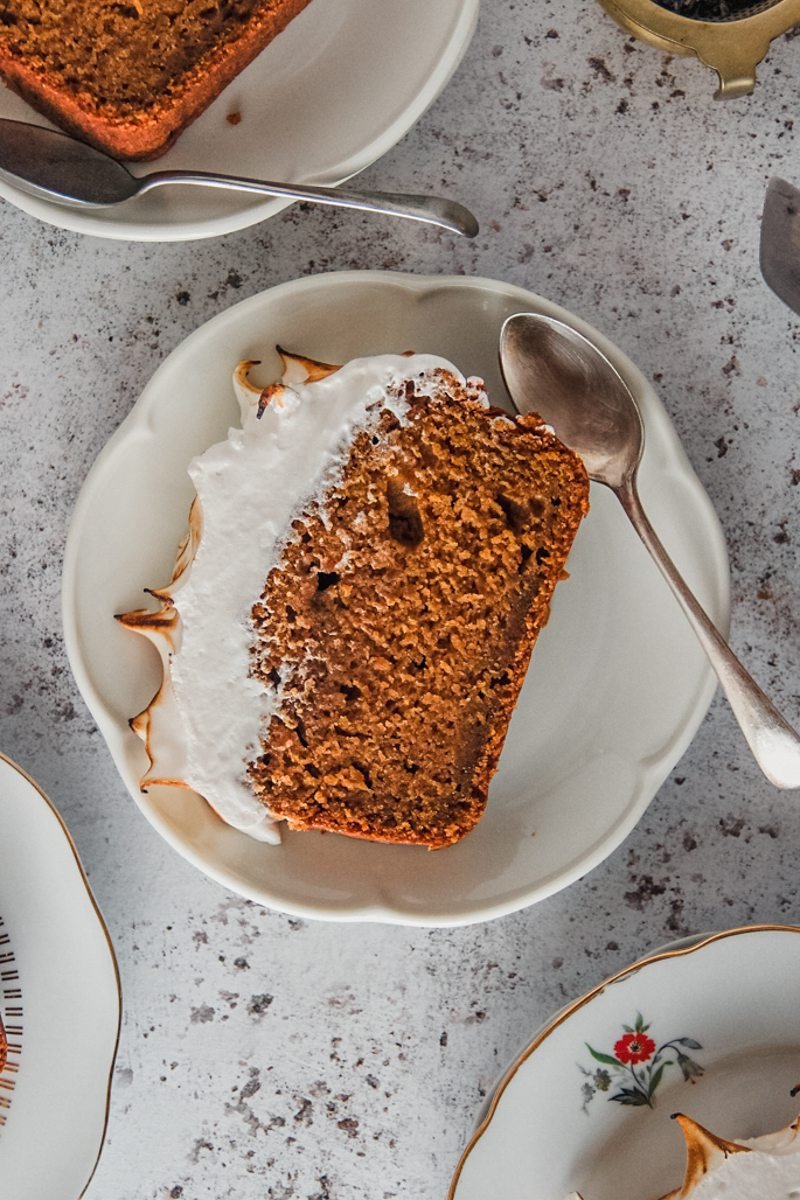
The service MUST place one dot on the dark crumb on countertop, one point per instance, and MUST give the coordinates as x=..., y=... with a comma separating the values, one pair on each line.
x=715, y=10
x=233, y=118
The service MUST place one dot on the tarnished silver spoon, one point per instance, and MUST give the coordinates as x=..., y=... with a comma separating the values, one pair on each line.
x=555, y=371
x=54, y=166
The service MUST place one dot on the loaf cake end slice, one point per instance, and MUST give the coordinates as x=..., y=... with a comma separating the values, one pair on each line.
x=129, y=77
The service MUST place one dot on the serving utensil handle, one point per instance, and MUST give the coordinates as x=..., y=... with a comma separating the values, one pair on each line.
x=774, y=743
x=432, y=210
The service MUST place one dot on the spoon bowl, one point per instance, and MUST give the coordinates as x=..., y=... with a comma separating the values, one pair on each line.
x=54, y=166
x=552, y=369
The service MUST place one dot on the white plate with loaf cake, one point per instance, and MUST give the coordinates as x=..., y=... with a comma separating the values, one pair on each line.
x=336, y=634
x=676, y=1079
x=60, y=1003
x=296, y=91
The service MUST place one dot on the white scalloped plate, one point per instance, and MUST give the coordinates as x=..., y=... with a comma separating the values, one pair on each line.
x=618, y=684
x=60, y=1002
x=337, y=89
x=726, y=1002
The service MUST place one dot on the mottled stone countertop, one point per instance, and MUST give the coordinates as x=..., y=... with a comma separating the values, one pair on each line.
x=269, y=1057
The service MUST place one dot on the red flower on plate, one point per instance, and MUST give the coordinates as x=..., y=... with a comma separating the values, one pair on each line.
x=618, y=1073
x=634, y=1048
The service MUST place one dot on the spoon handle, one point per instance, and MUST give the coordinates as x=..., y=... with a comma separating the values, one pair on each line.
x=775, y=745
x=433, y=210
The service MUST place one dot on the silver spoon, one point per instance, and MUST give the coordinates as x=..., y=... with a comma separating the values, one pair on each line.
x=54, y=166
x=555, y=371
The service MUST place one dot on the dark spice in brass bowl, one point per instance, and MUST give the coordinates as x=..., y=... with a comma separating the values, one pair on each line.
x=715, y=10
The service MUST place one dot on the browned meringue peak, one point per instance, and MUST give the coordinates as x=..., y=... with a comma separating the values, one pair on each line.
x=162, y=629
x=704, y=1152
x=296, y=369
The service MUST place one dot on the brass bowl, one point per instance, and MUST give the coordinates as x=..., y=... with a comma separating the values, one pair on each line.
x=732, y=46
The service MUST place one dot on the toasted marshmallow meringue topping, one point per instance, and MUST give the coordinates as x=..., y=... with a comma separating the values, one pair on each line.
x=761, y=1168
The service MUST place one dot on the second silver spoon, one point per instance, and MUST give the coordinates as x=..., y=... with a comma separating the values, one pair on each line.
x=54, y=166
x=555, y=371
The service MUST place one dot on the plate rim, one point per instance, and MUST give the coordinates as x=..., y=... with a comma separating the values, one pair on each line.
x=680, y=951
x=653, y=769
x=77, y=220
x=9, y=762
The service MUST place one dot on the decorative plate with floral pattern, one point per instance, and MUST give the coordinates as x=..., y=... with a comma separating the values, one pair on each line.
x=708, y=1028
x=60, y=1003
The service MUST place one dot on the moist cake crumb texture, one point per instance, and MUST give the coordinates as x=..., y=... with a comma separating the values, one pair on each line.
x=397, y=625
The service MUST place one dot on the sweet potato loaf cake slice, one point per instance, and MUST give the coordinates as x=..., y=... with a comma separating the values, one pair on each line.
x=371, y=557
x=398, y=624
x=128, y=76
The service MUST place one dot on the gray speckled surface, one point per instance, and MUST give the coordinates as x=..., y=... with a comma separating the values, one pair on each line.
x=264, y=1057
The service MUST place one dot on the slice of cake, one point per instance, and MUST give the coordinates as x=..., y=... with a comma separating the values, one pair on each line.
x=370, y=560
x=128, y=77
